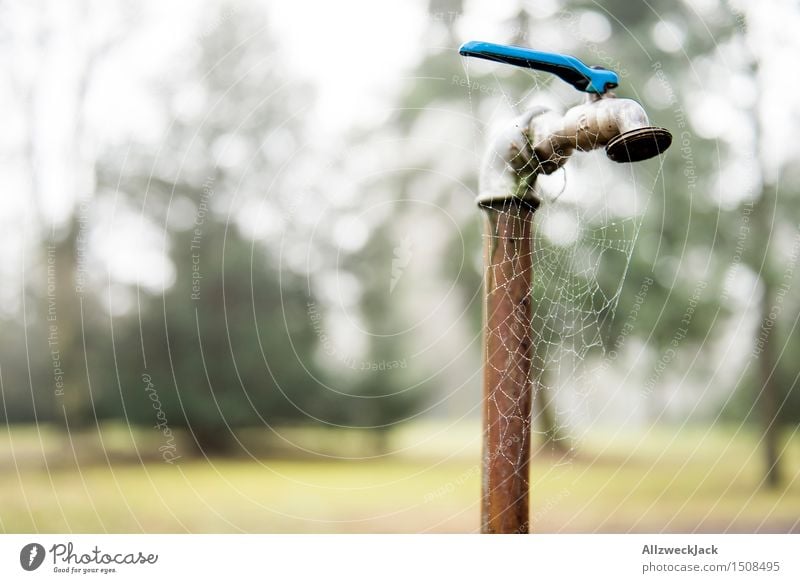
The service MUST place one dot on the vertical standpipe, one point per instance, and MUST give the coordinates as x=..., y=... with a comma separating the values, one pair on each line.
x=537, y=142
x=508, y=347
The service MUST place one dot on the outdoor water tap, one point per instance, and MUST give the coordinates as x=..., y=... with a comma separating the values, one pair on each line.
x=540, y=140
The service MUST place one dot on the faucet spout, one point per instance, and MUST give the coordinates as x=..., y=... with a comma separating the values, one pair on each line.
x=620, y=125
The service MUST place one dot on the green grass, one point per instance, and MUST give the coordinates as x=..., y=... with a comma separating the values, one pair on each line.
x=661, y=480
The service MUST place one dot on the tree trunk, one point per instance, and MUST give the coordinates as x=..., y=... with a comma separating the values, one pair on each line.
x=546, y=417
x=212, y=440
x=767, y=395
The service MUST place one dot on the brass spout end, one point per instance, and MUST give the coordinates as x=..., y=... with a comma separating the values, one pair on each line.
x=639, y=144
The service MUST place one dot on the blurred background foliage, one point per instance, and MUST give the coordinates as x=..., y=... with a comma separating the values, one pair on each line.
x=295, y=289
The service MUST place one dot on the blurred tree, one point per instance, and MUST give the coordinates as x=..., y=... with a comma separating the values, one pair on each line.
x=227, y=346
x=228, y=343
x=232, y=341
x=63, y=322
x=697, y=221
x=776, y=375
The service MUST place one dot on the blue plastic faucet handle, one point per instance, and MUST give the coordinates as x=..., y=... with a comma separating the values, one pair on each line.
x=570, y=69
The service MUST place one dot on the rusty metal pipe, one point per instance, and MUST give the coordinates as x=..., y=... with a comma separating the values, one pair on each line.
x=507, y=368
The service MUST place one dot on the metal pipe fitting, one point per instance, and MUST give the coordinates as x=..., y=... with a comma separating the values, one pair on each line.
x=619, y=125
x=540, y=141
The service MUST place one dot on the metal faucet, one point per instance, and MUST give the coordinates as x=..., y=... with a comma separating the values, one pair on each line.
x=540, y=140
x=537, y=142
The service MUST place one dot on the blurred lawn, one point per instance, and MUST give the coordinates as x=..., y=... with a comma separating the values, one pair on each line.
x=662, y=480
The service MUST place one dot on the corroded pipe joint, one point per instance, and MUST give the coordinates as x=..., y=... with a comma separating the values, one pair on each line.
x=509, y=166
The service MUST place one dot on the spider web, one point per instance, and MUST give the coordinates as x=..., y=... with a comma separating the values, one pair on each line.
x=580, y=248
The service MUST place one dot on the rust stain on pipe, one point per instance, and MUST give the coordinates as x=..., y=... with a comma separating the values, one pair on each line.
x=508, y=353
